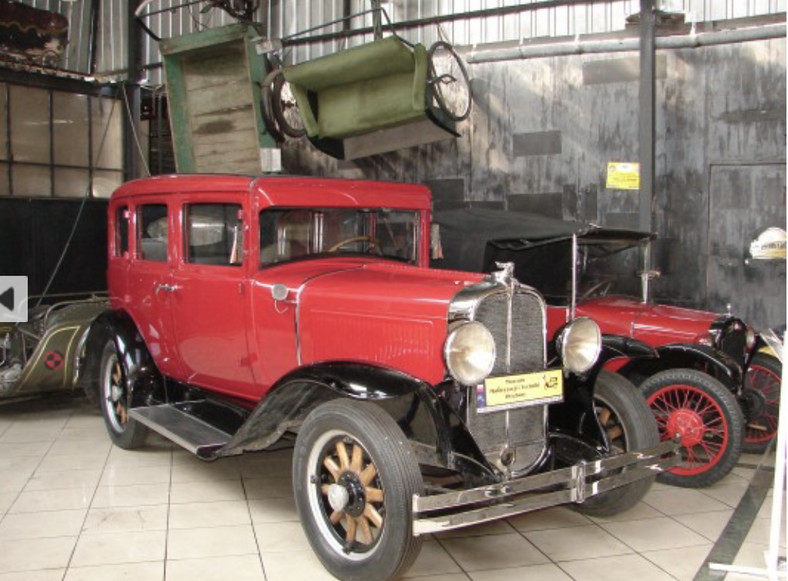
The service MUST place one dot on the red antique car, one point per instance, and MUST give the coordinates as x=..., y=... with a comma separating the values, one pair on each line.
x=248, y=313
x=713, y=381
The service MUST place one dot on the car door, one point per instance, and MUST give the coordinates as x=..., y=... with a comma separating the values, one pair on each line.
x=209, y=294
x=148, y=280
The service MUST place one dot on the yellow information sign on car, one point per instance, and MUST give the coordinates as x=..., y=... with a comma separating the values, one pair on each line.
x=513, y=391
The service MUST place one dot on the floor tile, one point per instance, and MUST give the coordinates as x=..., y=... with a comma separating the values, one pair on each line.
x=620, y=568
x=130, y=475
x=117, y=548
x=498, y=527
x=264, y=488
x=243, y=568
x=34, y=449
x=577, y=543
x=729, y=491
x=682, y=563
x=294, y=565
x=211, y=542
x=683, y=501
x=552, y=518
x=206, y=491
x=549, y=572
x=708, y=524
x=281, y=537
x=65, y=479
x=112, y=520
x=640, y=511
x=433, y=560
x=654, y=534
x=150, y=571
x=63, y=523
x=40, y=575
x=273, y=510
x=136, y=458
x=196, y=470
x=34, y=554
x=136, y=495
x=61, y=463
x=209, y=514
x=44, y=500
x=493, y=552
x=760, y=533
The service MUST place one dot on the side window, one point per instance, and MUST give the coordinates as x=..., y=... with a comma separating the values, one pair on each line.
x=214, y=234
x=152, y=232
x=285, y=235
x=121, y=231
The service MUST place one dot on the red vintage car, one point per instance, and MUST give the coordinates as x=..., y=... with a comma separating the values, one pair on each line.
x=250, y=313
x=713, y=381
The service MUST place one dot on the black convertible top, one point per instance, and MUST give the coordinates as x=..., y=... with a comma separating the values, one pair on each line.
x=465, y=233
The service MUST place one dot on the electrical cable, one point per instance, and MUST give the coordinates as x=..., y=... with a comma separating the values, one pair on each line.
x=134, y=132
x=70, y=238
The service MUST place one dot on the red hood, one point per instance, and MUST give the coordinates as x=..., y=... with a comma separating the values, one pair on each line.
x=654, y=324
x=393, y=314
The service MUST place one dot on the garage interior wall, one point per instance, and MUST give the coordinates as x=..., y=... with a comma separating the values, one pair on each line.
x=542, y=129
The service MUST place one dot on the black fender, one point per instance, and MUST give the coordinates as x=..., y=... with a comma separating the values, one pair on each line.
x=439, y=436
x=716, y=363
x=574, y=425
x=142, y=376
x=614, y=346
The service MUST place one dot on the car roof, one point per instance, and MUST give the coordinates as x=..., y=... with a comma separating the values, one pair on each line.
x=283, y=190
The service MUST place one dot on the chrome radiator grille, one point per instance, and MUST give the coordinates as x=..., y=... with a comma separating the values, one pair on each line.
x=518, y=329
x=516, y=321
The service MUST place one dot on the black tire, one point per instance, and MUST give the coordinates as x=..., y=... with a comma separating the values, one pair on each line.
x=448, y=82
x=761, y=402
x=285, y=108
x=629, y=424
x=353, y=450
x=267, y=109
x=125, y=432
x=706, y=415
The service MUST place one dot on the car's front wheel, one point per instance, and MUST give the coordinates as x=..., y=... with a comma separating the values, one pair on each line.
x=114, y=399
x=354, y=477
x=629, y=425
x=707, y=417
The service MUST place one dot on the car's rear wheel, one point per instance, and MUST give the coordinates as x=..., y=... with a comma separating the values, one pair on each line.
x=629, y=425
x=354, y=477
x=114, y=399
x=761, y=402
x=707, y=417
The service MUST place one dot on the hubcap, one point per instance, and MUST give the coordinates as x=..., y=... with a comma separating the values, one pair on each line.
x=338, y=496
x=688, y=424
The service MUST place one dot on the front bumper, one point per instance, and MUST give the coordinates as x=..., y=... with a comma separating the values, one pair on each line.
x=451, y=510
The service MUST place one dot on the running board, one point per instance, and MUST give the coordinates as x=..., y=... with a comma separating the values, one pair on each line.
x=190, y=432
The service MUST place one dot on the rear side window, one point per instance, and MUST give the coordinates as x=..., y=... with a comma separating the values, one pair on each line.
x=152, y=232
x=214, y=234
x=122, y=231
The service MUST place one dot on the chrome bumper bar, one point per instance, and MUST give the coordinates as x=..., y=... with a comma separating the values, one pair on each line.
x=573, y=484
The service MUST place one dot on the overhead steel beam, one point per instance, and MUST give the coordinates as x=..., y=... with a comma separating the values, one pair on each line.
x=132, y=98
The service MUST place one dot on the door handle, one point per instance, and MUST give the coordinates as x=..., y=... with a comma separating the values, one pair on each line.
x=167, y=287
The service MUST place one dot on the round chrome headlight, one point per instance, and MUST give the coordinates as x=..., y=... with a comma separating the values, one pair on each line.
x=579, y=344
x=469, y=353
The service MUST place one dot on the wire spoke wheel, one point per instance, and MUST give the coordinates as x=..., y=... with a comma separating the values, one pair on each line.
x=761, y=400
x=285, y=108
x=705, y=415
x=448, y=81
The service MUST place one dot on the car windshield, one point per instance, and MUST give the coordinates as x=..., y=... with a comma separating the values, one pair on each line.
x=604, y=266
x=290, y=234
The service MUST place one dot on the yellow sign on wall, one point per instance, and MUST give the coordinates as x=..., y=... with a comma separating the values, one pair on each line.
x=623, y=176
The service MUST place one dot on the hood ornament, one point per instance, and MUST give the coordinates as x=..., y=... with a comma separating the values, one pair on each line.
x=506, y=273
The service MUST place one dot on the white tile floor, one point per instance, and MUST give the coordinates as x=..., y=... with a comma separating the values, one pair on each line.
x=75, y=508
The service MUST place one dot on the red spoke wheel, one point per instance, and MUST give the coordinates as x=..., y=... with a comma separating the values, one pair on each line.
x=761, y=402
x=708, y=418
